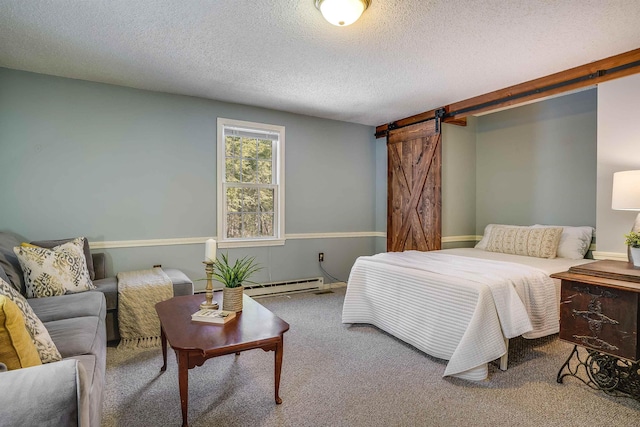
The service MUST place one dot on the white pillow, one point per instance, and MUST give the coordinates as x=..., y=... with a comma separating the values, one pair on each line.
x=482, y=244
x=574, y=242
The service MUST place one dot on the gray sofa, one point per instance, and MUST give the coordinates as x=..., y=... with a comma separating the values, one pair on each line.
x=69, y=392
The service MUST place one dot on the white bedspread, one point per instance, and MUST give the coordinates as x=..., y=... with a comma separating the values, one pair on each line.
x=456, y=308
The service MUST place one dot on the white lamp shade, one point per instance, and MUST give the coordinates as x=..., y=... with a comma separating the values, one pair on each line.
x=626, y=191
x=341, y=12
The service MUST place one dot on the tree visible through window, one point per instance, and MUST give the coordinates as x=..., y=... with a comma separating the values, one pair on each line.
x=250, y=162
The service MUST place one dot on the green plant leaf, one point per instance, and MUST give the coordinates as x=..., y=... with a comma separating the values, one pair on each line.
x=633, y=239
x=234, y=275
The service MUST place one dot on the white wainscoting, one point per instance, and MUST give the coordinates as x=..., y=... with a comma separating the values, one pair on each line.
x=467, y=238
x=200, y=240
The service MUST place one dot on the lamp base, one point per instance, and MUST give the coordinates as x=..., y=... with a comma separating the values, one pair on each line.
x=208, y=306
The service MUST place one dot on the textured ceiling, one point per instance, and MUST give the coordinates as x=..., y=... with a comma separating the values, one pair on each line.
x=401, y=58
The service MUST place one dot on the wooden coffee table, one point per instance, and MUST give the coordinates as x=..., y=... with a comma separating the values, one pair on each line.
x=194, y=343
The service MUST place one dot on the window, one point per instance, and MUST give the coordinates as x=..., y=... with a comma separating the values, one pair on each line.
x=250, y=184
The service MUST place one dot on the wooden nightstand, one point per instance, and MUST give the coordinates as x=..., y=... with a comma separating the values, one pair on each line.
x=599, y=308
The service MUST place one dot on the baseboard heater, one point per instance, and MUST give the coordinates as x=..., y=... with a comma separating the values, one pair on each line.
x=285, y=287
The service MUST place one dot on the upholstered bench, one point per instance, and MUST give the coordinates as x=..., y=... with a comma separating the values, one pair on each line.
x=182, y=285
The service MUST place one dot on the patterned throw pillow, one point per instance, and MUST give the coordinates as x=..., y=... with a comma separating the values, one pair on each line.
x=57, y=271
x=47, y=350
x=540, y=242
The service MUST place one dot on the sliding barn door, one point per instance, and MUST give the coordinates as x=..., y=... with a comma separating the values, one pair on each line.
x=414, y=195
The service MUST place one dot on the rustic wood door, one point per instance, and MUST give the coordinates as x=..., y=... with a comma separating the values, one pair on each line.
x=414, y=200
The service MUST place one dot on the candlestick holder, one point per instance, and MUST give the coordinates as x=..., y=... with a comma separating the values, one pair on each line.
x=209, y=303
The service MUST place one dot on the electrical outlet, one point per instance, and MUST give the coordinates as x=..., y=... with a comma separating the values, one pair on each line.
x=320, y=256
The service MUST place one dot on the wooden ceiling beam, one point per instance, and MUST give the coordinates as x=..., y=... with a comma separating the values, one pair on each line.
x=564, y=81
x=382, y=130
x=575, y=78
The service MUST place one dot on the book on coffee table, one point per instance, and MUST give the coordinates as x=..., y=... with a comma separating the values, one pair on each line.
x=213, y=316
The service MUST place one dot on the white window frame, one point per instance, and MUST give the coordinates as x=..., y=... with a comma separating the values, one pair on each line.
x=278, y=203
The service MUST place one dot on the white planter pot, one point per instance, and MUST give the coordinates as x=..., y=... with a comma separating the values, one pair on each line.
x=635, y=256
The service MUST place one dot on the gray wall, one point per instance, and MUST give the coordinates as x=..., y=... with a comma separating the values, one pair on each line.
x=537, y=163
x=618, y=150
x=381, y=193
x=118, y=164
x=459, y=182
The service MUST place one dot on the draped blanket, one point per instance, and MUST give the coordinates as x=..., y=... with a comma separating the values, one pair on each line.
x=138, y=293
x=452, y=307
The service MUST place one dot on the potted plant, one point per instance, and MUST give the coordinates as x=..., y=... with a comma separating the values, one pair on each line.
x=633, y=241
x=232, y=276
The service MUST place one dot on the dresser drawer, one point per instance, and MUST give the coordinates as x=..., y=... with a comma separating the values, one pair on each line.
x=600, y=318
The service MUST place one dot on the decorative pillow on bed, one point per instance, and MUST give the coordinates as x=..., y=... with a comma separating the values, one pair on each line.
x=574, y=242
x=50, y=272
x=540, y=242
x=482, y=244
x=47, y=350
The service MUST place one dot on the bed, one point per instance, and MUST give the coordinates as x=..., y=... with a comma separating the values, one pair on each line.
x=461, y=305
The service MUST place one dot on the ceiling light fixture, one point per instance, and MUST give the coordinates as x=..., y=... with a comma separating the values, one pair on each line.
x=342, y=12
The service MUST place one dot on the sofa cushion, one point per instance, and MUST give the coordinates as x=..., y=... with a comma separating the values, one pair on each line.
x=39, y=334
x=75, y=336
x=50, y=244
x=50, y=272
x=17, y=350
x=9, y=261
x=68, y=306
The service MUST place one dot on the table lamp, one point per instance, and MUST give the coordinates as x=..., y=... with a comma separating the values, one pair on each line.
x=626, y=196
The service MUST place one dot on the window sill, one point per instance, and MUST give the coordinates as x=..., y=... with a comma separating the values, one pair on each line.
x=250, y=243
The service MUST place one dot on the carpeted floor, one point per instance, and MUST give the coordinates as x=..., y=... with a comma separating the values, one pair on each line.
x=341, y=375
